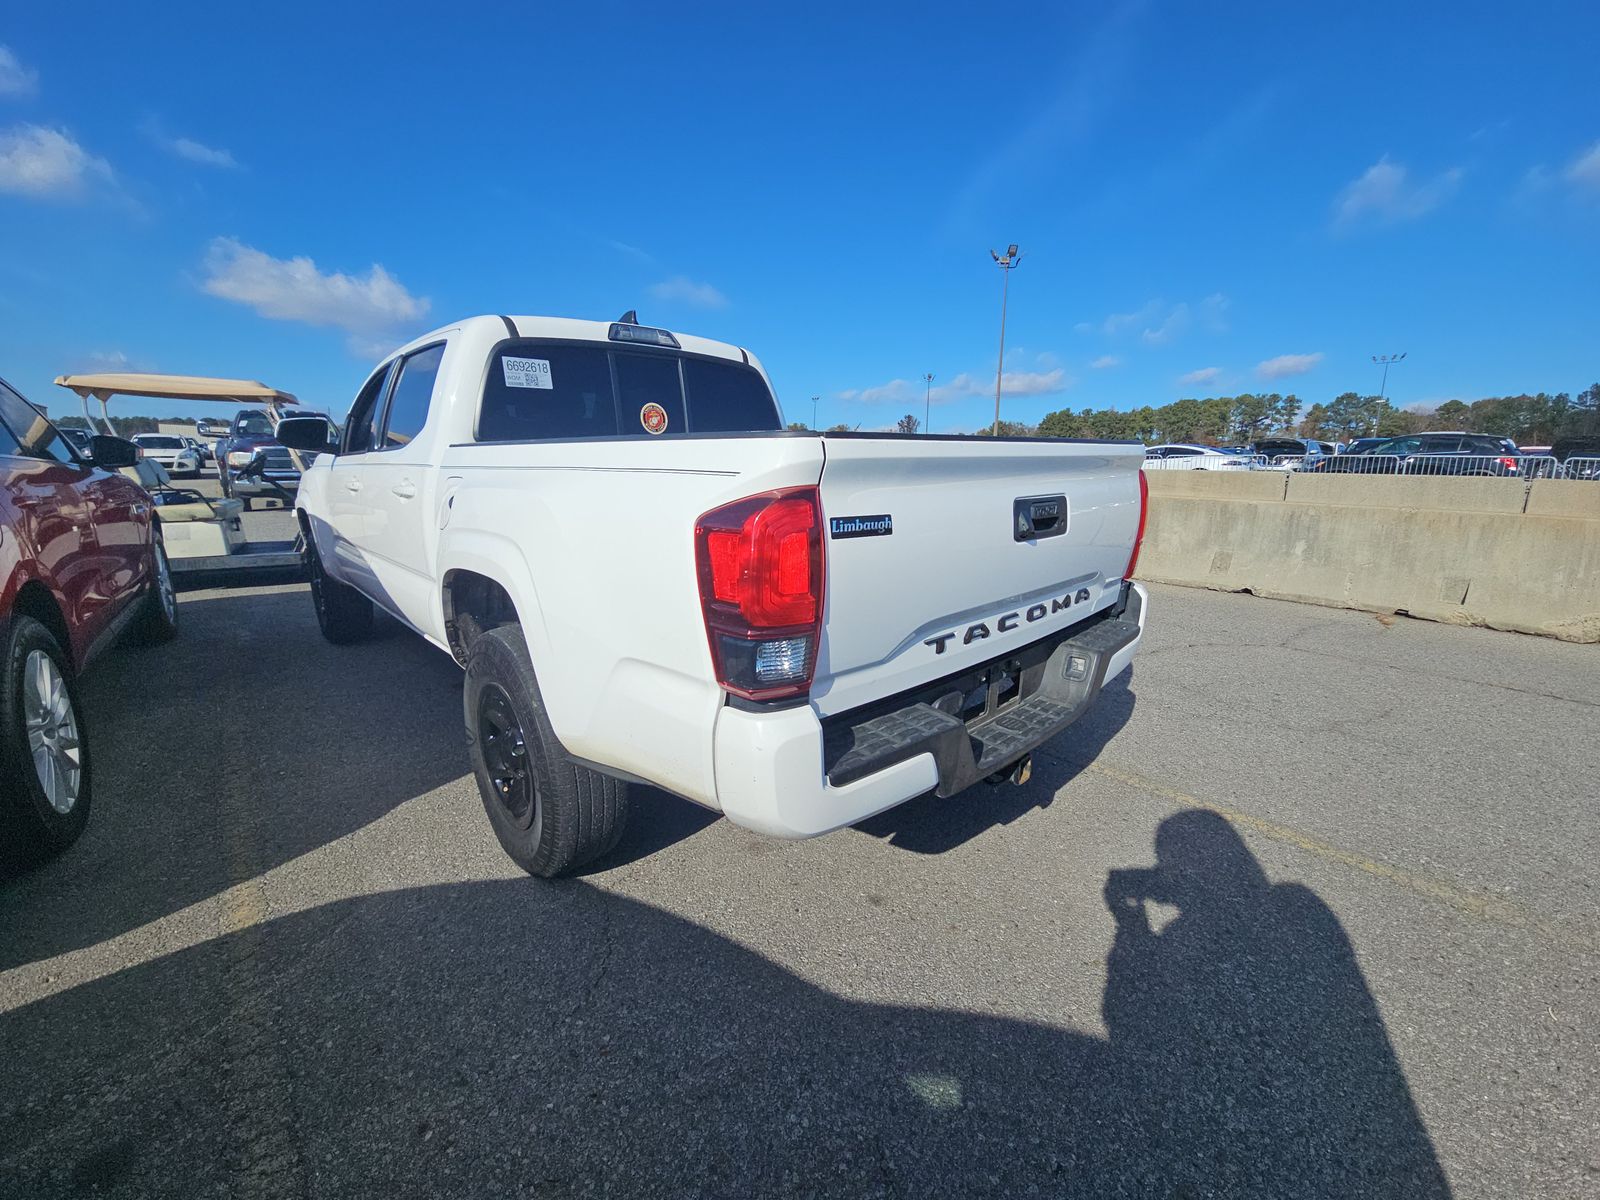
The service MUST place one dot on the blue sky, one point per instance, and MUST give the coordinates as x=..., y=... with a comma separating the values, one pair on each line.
x=1210, y=199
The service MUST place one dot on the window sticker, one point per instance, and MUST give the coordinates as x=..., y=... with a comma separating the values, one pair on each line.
x=654, y=418
x=527, y=372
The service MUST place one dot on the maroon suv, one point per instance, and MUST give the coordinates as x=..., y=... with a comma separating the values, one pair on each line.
x=81, y=561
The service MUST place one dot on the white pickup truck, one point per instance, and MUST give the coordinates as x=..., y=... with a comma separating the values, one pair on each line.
x=648, y=580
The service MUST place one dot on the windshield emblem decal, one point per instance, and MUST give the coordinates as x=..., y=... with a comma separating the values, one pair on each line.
x=654, y=418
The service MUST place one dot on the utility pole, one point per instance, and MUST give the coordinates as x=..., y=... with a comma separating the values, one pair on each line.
x=927, y=400
x=814, y=400
x=1006, y=263
x=1385, y=361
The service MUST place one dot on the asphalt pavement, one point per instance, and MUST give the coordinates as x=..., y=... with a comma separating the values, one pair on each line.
x=1304, y=907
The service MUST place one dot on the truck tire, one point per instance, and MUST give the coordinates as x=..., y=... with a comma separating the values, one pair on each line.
x=550, y=814
x=45, y=780
x=159, y=621
x=343, y=614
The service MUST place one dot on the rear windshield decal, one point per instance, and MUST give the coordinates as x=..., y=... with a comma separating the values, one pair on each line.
x=527, y=372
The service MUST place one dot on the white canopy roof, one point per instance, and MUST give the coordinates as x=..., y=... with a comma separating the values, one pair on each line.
x=175, y=387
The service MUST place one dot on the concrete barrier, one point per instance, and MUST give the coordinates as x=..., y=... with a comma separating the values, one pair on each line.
x=1497, y=552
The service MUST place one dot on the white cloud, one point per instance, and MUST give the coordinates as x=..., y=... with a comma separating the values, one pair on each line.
x=1286, y=365
x=1584, y=171
x=107, y=360
x=15, y=79
x=1160, y=322
x=1105, y=362
x=35, y=161
x=205, y=155
x=187, y=148
x=631, y=251
x=1171, y=326
x=293, y=289
x=683, y=290
x=1205, y=375
x=962, y=387
x=1386, y=192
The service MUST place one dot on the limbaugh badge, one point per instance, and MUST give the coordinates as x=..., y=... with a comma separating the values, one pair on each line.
x=654, y=418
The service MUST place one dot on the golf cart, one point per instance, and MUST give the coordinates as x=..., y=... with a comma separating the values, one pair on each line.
x=204, y=537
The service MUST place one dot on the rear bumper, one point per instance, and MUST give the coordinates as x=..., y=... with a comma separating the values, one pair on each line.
x=789, y=774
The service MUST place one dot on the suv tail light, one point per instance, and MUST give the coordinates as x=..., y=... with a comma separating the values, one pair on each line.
x=760, y=565
x=1138, y=537
x=1510, y=464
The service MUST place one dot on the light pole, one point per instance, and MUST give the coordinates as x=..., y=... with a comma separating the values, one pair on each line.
x=1385, y=361
x=814, y=400
x=927, y=400
x=1006, y=263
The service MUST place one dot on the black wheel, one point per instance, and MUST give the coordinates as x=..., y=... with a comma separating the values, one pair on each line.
x=44, y=757
x=550, y=814
x=343, y=614
x=159, y=621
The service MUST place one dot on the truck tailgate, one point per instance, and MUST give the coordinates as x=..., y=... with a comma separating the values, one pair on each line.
x=945, y=554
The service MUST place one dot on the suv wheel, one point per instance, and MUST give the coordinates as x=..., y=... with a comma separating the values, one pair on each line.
x=343, y=614
x=550, y=814
x=44, y=759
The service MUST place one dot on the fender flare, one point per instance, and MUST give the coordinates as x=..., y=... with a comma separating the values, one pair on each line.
x=498, y=557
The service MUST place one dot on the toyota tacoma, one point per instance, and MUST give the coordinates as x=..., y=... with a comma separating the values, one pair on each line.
x=649, y=580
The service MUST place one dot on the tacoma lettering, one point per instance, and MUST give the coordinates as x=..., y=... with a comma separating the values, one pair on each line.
x=1009, y=621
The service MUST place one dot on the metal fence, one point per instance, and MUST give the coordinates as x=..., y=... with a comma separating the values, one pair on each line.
x=1483, y=466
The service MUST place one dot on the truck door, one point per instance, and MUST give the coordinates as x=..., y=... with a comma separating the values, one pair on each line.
x=344, y=543
x=401, y=530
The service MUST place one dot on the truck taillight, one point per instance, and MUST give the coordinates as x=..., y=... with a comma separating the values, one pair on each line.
x=1138, y=537
x=760, y=565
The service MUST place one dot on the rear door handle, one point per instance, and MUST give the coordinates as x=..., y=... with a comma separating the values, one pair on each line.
x=353, y=485
x=405, y=489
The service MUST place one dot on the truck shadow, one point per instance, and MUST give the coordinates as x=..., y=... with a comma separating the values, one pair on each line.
x=511, y=1037
x=930, y=825
x=244, y=743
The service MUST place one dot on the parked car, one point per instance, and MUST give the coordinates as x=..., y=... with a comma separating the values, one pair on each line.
x=172, y=452
x=1453, y=453
x=1301, y=452
x=610, y=529
x=81, y=561
x=1182, y=456
x=80, y=439
x=203, y=449
x=251, y=436
x=1578, y=455
x=1362, y=444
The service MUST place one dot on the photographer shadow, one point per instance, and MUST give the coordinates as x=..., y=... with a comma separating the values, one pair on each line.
x=509, y=1037
x=1247, y=1027
x=933, y=825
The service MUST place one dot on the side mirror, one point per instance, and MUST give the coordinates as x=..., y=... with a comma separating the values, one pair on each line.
x=112, y=453
x=309, y=434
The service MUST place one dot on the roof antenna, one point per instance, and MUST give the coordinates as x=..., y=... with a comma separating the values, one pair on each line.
x=631, y=317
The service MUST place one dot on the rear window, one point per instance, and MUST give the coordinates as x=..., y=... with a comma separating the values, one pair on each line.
x=541, y=390
x=727, y=397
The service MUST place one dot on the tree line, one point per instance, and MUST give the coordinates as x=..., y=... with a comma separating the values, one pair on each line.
x=128, y=425
x=1528, y=419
